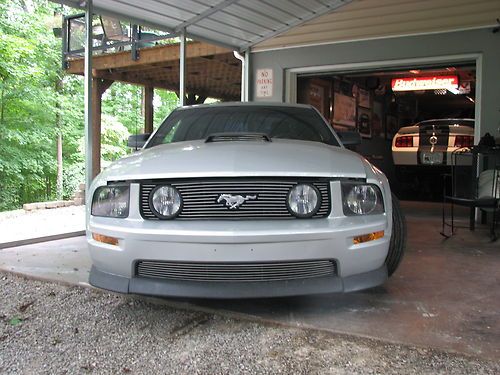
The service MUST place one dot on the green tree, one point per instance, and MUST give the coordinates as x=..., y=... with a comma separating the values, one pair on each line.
x=40, y=105
x=114, y=136
x=28, y=70
x=165, y=102
x=124, y=102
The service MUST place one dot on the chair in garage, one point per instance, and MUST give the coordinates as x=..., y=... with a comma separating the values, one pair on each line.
x=474, y=182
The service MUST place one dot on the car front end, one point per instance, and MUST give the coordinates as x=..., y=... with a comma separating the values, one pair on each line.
x=239, y=218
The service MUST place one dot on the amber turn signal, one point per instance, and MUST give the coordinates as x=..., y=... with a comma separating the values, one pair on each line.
x=368, y=237
x=105, y=239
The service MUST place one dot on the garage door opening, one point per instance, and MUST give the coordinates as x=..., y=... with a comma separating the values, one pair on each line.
x=381, y=103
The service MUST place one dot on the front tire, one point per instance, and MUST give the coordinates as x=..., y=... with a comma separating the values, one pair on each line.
x=398, y=238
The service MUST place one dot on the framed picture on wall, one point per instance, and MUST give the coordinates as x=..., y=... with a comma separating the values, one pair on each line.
x=365, y=122
x=315, y=92
x=316, y=95
x=364, y=98
x=344, y=110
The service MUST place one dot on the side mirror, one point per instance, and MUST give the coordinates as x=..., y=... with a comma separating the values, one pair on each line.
x=137, y=141
x=350, y=138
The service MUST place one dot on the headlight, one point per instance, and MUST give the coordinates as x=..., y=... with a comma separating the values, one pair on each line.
x=362, y=199
x=165, y=201
x=110, y=201
x=304, y=200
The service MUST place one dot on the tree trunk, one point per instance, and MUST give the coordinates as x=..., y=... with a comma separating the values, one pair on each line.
x=59, y=186
x=59, y=167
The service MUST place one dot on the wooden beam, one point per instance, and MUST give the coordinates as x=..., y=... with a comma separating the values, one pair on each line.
x=135, y=80
x=99, y=86
x=147, y=56
x=148, y=109
x=215, y=92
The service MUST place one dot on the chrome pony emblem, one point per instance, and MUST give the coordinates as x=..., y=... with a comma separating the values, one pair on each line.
x=234, y=201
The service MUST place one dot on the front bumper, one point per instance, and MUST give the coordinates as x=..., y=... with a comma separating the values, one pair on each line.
x=413, y=156
x=358, y=266
x=195, y=289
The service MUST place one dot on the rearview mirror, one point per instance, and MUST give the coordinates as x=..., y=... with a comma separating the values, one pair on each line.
x=137, y=141
x=350, y=138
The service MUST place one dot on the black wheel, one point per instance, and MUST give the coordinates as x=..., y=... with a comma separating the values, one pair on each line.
x=398, y=238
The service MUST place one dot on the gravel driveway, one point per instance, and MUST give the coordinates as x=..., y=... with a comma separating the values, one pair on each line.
x=48, y=328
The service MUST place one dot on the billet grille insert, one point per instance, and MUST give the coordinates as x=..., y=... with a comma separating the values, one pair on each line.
x=235, y=272
x=200, y=198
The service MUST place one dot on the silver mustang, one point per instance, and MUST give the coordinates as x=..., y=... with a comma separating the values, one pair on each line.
x=242, y=200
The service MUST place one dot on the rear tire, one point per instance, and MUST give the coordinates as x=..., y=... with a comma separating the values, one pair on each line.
x=398, y=238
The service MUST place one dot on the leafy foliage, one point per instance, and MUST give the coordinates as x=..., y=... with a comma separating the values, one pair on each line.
x=28, y=72
x=38, y=102
x=114, y=136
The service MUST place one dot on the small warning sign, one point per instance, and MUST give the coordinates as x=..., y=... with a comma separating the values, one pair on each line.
x=264, y=83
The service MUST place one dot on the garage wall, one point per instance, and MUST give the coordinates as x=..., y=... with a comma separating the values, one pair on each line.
x=369, y=19
x=482, y=42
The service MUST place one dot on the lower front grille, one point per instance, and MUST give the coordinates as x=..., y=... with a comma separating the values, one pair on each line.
x=235, y=272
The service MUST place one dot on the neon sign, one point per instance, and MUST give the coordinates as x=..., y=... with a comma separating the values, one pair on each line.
x=424, y=83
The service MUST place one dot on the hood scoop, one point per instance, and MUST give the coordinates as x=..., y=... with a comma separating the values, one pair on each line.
x=237, y=137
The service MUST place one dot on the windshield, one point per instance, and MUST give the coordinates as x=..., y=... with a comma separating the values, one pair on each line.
x=277, y=122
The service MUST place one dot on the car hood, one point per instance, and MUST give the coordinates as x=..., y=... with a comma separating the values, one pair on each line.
x=237, y=158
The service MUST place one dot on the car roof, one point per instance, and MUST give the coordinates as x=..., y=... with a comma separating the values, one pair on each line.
x=247, y=104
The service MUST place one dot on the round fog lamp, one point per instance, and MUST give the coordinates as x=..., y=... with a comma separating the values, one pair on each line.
x=166, y=202
x=362, y=199
x=303, y=200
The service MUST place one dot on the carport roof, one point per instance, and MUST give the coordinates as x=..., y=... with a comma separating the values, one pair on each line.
x=237, y=24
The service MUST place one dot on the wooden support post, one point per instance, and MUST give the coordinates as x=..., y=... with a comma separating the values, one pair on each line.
x=99, y=86
x=182, y=68
x=148, y=109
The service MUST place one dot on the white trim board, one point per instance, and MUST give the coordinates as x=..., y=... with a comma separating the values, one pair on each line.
x=256, y=49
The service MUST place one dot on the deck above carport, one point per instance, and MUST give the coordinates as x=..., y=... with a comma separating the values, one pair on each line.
x=211, y=71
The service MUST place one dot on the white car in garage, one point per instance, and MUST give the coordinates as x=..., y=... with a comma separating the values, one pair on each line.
x=431, y=143
x=241, y=200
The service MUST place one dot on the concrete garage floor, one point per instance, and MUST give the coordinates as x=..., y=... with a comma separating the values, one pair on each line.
x=445, y=295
